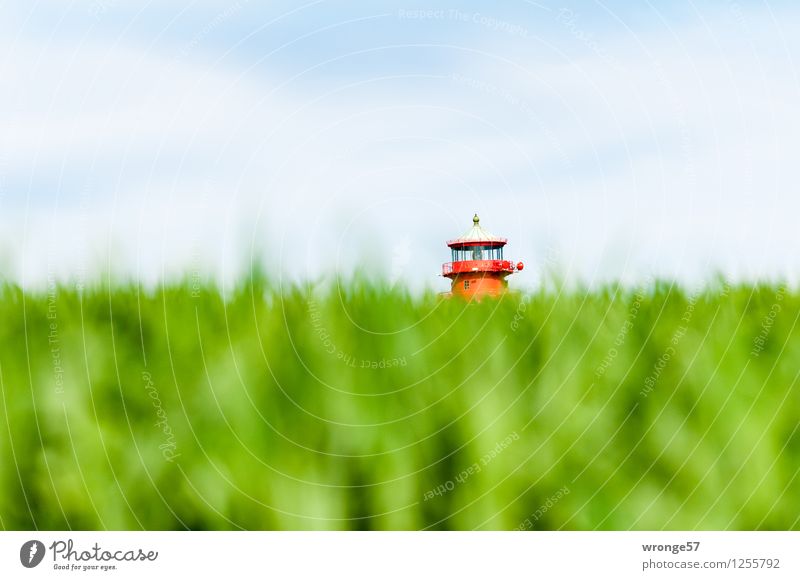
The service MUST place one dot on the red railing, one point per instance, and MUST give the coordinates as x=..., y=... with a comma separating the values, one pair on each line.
x=450, y=268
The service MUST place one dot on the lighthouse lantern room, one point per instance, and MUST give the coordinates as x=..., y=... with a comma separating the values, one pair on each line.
x=478, y=267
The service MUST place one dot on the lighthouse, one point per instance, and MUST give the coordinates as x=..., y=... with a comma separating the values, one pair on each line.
x=478, y=268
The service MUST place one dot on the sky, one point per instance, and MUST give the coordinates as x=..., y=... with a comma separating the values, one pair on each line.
x=608, y=141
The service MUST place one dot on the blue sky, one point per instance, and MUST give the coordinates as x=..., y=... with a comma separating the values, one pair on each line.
x=609, y=140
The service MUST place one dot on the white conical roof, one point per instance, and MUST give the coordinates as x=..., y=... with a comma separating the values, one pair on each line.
x=477, y=234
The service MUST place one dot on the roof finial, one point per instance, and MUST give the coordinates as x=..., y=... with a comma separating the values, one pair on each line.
x=476, y=220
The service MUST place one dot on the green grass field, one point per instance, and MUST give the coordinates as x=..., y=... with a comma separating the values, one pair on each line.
x=366, y=408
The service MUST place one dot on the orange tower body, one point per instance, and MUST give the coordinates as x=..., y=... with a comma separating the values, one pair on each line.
x=478, y=268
